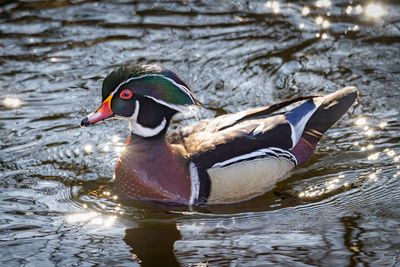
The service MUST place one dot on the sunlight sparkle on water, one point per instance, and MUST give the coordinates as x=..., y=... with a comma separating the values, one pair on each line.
x=374, y=10
x=109, y=221
x=349, y=9
x=97, y=220
x=370, y=146
x=81, y=217
x=369, y=132
x=12, y=102
x=330, y=187
x=310, y=194
x=374, y=156
x=105, y=148
x=88, y=149
x=319, y=20
x=323, y=3
x=115, y=138
x=325, y=24
x=274, y=5
x=305, y=11
x=391, y=153
x=359, y=9
x=382, y=125
x=301, y=25
x=373, y=177
x=53, y=59
x=324, y=36
x=315, y=191
x=361, y=121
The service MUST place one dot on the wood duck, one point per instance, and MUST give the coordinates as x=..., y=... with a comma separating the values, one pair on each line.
x=227, y=159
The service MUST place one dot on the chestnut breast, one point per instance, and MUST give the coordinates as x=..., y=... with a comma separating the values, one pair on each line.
x=152, y=170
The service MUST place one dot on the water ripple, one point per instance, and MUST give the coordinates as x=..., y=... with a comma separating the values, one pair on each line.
x=56, y=188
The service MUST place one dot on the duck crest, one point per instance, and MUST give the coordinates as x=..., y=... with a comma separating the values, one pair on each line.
x=151, y=81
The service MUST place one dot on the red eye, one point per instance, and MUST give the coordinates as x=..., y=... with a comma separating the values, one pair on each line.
x=126, y=94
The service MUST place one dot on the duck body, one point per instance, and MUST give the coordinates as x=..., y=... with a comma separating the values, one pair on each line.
x=228, y=159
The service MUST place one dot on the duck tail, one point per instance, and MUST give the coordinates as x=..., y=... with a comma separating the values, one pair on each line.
x=331, y=109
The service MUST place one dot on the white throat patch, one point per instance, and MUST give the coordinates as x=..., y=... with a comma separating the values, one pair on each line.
x=140, y=130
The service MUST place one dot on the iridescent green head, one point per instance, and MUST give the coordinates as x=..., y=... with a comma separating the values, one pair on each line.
x=147, y=95
x=153, y=81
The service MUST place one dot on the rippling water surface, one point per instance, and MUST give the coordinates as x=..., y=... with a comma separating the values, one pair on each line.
x=57, y=201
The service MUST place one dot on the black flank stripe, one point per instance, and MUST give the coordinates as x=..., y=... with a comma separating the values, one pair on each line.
x=205, y=186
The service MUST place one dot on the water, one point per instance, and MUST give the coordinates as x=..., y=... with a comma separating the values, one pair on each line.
x=57, y=201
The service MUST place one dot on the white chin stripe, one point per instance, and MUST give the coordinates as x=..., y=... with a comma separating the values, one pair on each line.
x=140, y=130
x=194, y=184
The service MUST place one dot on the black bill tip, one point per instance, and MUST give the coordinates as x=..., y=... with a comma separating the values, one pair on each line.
x=85, y=122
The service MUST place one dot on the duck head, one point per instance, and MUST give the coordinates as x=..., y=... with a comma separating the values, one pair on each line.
x=146, y=95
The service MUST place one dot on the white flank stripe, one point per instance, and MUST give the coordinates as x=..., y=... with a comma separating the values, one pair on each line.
x=140, y=130
x=285, y=152
x=260, y=152
x=195, y=184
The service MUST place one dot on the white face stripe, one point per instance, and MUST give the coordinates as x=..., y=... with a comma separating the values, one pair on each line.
x=140, y=130
x=194, y=184
x=171, y=106
x=181, y=87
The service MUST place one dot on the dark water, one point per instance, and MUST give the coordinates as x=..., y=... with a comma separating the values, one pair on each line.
x=57, y=204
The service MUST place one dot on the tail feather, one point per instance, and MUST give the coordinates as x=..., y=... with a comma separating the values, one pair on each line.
x=332, y=108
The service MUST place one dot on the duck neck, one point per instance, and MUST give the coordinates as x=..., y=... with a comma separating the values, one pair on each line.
x=150, y=119
x=152, y=147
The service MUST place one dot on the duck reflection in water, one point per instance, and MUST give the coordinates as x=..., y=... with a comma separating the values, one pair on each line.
x=153, y=243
